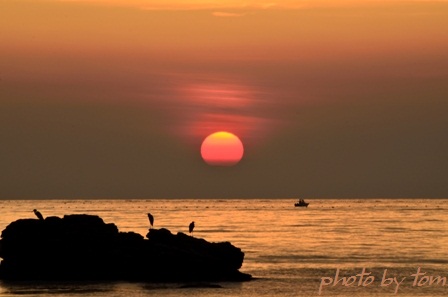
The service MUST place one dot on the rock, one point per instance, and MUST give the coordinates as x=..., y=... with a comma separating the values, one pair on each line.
x=83, y=247
x=195, y=258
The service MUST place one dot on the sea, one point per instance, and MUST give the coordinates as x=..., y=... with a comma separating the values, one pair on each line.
x=334, y=247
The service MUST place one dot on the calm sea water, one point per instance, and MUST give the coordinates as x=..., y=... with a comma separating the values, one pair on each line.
x=288, y=250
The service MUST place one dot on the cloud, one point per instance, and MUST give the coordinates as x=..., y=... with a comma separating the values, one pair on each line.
x=236, y=4
x=206, y=107
x=227, y=14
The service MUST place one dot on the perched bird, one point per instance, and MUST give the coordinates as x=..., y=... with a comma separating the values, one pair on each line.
x=151, y=219
x=191, y=227
x=38, y=214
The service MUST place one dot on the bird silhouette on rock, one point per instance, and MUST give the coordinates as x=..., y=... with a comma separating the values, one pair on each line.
x=191, y=227
x=38, y=214
x=151, y=219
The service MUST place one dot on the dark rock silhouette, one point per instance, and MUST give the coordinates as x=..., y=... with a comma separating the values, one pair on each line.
x=83, y=247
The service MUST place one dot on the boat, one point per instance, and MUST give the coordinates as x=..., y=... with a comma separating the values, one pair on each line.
x=301, y=203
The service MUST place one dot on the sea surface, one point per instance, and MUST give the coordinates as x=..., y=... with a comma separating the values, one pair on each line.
x=290, y=251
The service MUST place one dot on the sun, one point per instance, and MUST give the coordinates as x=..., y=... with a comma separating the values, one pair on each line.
x=222, y=149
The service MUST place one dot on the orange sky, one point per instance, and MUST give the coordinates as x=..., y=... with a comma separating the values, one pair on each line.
x=316, y=91
x=77, y=26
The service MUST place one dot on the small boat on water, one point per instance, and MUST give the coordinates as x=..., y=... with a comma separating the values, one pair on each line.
x=301, y=203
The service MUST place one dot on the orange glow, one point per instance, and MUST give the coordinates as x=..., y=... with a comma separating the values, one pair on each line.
x=222, y=149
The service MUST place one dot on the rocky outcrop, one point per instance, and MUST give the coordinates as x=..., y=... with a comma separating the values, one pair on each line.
x=83, y=247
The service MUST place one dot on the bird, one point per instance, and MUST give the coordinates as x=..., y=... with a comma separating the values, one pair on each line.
x=191, y=227
x=38, y=214
x=151, y=219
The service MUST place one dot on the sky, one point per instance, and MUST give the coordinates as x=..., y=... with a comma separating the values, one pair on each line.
x=331, y=99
